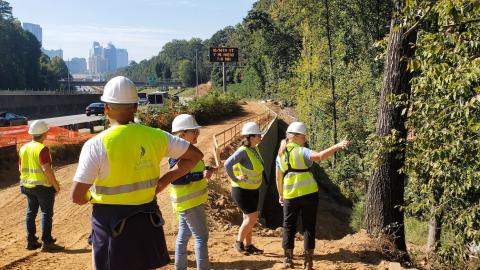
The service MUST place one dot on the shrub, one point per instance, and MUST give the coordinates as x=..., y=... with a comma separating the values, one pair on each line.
x=206, y=109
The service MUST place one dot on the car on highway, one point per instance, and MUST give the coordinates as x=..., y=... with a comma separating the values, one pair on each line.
x=11, y=119
x=95, y=108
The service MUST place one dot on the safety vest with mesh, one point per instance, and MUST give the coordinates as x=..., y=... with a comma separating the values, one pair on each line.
x=134, y=153
x=297, y=179
x=31, y=172
x=193, y=192
x=252, y=177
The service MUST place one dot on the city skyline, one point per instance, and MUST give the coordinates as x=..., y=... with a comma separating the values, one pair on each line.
x=142, y=29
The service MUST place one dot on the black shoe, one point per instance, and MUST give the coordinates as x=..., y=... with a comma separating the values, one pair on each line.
x=32, y=245
x=251, y=249
x=239, y=247
x=51, y=246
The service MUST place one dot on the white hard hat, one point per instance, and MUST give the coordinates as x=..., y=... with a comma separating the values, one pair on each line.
x=297, y=127
x=184, y=122
x=37, y=127
x=251, y=128
x=120, y=90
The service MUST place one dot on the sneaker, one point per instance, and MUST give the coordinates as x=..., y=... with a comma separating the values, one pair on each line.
x=239, y=247
x=251, y=249
x=52, y=247
x=32, y=245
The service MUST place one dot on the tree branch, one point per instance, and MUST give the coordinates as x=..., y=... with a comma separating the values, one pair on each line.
x=417, y=23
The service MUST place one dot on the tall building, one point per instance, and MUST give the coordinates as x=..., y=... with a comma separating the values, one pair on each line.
x=106, y=59
x=35, y=29
x=96, y=63
x=53, y=53
x=110, y=56
x=122, y=58
x=77, y=65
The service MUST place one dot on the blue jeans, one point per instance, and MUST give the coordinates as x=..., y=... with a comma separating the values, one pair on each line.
x=192, y=221
x=43, y=197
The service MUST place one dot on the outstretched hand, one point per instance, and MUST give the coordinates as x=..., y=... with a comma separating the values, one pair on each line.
x=344, y=143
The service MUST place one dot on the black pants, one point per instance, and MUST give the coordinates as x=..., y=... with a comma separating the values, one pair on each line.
x=306, y=206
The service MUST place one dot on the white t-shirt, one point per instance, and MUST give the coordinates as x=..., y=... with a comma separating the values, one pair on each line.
x=93, y=163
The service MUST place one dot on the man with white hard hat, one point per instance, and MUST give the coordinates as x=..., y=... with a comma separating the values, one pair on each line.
x=39, y=184
x=119, y=173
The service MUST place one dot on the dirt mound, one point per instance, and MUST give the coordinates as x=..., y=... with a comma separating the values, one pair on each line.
x=204, y=88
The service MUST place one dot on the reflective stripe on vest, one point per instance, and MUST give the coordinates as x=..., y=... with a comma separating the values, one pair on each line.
x=31, y=172
x=187, y=196
x=125, y=188
x=296, y=184
x=253, y=177
x=134, y=153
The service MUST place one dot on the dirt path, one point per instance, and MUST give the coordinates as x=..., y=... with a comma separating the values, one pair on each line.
x=71, y=227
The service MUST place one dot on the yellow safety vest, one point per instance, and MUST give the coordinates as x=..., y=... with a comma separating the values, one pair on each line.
x=253, y=178
x=187, y=196
x=134, y=153
x=31, y=172
x=296, y=183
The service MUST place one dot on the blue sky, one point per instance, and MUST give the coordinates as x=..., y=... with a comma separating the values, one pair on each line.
x=141, y=26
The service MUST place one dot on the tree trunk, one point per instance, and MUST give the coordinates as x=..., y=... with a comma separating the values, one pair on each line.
x=387, y=184
x=434, y=231
x=332, y=79
x=435, y=223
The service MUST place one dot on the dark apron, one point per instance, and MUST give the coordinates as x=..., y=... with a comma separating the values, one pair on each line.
x=128, y=237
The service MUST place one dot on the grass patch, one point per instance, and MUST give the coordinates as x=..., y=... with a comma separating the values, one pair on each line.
x=357, y=221
x=189, y=92
x=416, y=231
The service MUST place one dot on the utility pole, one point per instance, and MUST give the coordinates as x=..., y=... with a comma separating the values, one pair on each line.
x=196, y=70
x=224, y=84
x=68, y=75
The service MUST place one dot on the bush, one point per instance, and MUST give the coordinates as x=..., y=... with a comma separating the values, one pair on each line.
x=358, y=216
x=65, y=153
x=213, y=107
x=206, y=109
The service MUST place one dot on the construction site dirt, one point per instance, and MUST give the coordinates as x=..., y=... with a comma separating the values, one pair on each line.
x=71, y=227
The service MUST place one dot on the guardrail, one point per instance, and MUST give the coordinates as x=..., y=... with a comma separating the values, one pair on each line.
x=42, y=92
x=221, y=139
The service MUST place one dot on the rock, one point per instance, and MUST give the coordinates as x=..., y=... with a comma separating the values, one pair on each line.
x=395, y=266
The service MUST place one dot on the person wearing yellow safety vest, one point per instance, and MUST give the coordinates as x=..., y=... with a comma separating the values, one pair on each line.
x=188, y=195
x=298, y=190
x=119, y=173
x=39, y=184
x=245, y=169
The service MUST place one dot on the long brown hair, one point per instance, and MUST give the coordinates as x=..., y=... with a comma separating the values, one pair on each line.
x=283, y=144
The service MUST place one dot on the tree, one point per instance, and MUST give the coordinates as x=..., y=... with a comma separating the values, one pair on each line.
x=442, y=161
x=186, y=72
x=5, y=10
x=386, y=186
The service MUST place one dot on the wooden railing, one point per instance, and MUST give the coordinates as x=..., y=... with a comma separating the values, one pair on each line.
x=221, y=139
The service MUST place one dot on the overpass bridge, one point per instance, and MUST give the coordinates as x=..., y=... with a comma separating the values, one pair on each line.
x=158, y=83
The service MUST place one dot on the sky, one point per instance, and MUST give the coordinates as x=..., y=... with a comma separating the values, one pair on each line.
x=140, y=26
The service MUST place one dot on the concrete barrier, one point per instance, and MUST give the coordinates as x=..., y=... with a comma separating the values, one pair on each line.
x=43, y=105
x=268, y=148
